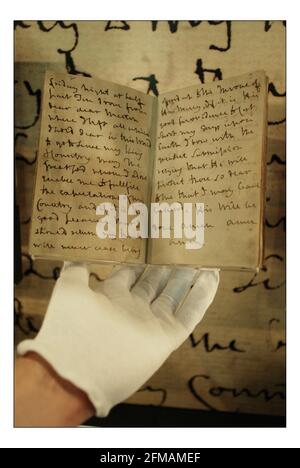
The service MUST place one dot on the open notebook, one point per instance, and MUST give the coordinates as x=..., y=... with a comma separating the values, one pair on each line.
x=204, y=143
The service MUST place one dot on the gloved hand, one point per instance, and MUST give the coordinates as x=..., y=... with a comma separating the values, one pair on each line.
x=110, y=341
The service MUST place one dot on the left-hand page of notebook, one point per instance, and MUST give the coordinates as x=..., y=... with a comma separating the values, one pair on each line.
x=95, y=144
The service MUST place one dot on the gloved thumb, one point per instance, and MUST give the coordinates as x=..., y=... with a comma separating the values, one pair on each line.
x=199, y=299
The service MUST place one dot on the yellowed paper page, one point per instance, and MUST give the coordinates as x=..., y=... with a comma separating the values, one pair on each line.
x=95, y=144
x=210, y=149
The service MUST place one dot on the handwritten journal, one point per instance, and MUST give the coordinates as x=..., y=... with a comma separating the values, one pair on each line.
x=204, y=143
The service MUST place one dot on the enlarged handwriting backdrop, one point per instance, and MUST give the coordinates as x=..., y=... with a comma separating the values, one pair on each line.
x=235, y=359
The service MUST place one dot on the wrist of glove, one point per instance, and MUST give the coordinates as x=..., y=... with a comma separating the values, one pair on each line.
x=108, y=342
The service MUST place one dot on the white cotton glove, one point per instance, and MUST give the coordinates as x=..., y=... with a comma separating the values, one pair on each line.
x=110, y=341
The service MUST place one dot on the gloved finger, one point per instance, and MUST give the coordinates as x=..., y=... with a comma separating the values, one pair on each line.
x=177, y=287
x=122, y=278
x=151, y=283
x=74, y=273
x=199, y=299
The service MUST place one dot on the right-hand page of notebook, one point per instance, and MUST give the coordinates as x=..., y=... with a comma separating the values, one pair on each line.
x=210, y=149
